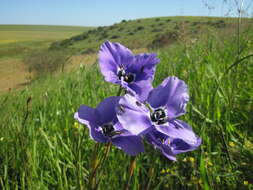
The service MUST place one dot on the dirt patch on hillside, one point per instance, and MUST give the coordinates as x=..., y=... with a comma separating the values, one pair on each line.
x=13, y=75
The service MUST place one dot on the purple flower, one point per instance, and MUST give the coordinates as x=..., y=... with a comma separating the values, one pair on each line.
x=104, y=126
x=133, y=72
x=170, y=146
x=166, y=103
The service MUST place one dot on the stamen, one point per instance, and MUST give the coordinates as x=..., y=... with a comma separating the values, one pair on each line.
x=158, y=116
x=121, y=73
x=127, y=77
x=107, y=130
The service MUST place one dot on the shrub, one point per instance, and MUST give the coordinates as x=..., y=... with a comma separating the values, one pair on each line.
x=60, y=44
x=103, y=35
x=41, y=63
x=139, y=28
x=79, y=37
x=89, y=51
x=115, y=36
x=157, y=30
x=195, y=23
x=163, y=40
x=120, y=29
x=219, y=24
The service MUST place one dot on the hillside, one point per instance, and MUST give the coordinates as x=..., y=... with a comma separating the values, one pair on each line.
x=151, y=32
x=16, y=41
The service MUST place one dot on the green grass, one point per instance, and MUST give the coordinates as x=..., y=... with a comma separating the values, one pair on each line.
x=47, y=151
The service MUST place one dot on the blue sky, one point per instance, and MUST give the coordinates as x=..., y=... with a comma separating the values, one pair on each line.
x=104, y=12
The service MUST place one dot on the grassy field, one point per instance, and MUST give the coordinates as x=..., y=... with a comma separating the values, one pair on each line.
x=41, y=147
x=16, y=41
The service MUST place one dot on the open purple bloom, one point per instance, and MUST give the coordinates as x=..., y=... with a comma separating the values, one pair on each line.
x=104, y=126
x=170, y=146
x=166, y=103
x=120, y=66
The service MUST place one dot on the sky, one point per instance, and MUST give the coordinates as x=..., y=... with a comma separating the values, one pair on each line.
x=107, y=12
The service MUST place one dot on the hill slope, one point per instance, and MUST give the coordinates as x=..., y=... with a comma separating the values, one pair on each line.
x=18, y=40
x=150, y=32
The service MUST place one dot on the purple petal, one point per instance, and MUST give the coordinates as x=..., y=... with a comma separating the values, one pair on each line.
x=111, y=56
x=106, y=109
x=133, y=115
x=180, y=146
x=90, y=122
x=141, y=89
x=173, y=94
x=179, y=130
x=144, y=66
x=86, y=114
x=130, y=144
x=96, y=133
x=155, y=138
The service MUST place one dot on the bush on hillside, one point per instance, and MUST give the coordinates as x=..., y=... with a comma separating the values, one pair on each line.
x=139, y=28
x=115, y=37
x=163, y=40
x=60, y=44
x=79, y=37
x=41, y=63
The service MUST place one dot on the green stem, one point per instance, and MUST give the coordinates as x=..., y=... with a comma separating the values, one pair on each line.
x=108, y=146
x=131, y=171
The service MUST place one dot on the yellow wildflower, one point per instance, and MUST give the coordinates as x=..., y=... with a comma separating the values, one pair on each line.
x=232, y=144
x=76, y=125
x=191, y=159
x=245, y=183
x=163, y=171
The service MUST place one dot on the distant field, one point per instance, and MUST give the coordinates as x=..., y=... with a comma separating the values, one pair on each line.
x=37, y=33
x=18, y=40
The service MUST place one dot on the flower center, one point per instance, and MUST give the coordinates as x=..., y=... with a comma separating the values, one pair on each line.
x=158, y=116
x=108, y=130
x=127, y=77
